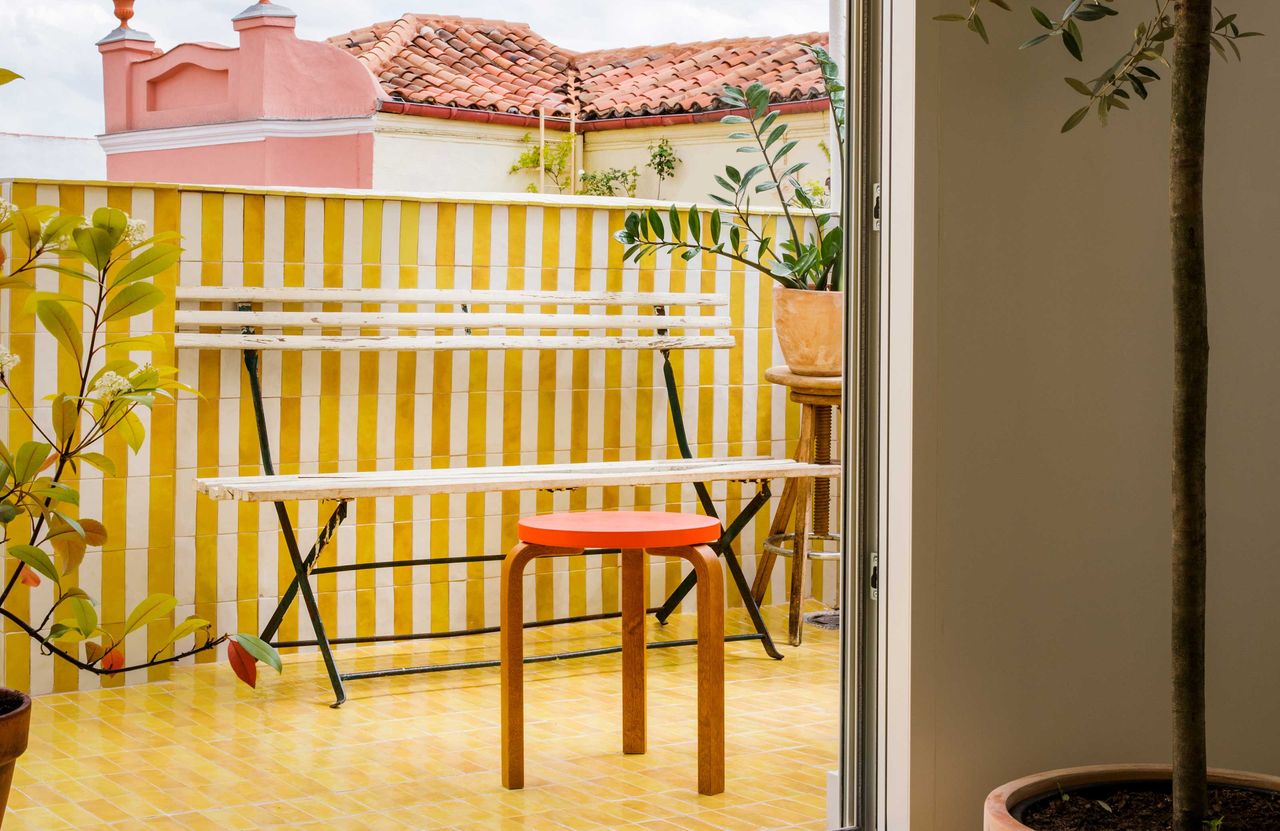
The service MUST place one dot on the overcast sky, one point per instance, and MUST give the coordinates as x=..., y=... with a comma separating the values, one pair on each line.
x=50, y=42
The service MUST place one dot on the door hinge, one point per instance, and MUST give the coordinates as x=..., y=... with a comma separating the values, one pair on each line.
x=875, y=576
x=875, y=207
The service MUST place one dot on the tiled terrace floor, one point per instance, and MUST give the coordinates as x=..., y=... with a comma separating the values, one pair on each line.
x=421, y=752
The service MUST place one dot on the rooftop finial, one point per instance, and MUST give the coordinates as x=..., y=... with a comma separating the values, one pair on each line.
x=124, y=12
x=264, y=8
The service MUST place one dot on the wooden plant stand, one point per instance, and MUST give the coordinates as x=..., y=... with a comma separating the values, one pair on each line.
x=818, y=397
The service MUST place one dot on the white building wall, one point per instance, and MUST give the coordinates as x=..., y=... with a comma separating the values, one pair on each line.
x=51, y=157
x=420, y=154
x=704, y=150
x=415, y=153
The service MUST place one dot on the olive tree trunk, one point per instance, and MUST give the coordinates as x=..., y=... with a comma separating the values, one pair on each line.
x=1194, y=23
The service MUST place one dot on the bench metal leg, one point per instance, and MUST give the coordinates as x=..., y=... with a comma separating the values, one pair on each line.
x=301, y=582
x=724, y=546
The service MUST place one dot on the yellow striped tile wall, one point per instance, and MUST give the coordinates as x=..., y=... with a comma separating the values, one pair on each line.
x=339, y=412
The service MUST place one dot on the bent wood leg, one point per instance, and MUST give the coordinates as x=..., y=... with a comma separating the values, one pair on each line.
x=511, y=640
x=710, y=665
x=633, y=650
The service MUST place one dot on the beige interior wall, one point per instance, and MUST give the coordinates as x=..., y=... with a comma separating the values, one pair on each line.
x=1040, y=530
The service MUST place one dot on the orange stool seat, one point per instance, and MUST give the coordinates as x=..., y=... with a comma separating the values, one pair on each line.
x=619, y=529
x=636, y=534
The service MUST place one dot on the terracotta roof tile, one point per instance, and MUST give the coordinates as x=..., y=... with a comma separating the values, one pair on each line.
x=497, y=65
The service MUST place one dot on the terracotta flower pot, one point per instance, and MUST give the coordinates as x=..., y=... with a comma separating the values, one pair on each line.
x=15, y=721
x=1003, y=802
x=810, y=327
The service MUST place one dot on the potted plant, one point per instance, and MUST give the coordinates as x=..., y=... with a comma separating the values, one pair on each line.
x=41, y=526
x=806, y=264
x=1187, y=794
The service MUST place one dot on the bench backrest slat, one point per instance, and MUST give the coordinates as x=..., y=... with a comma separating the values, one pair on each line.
x=410, y=343
x=444, y=320
x=480, y=297
x=345, y=319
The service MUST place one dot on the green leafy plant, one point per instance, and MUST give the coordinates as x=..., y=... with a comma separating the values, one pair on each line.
x=803, y=260
x=1195, y=29
x=40, y=522
x=662, y=161
x=554, y=162
x=613, y=181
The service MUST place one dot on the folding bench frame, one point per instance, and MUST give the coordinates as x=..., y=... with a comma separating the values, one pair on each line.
x=304, y=566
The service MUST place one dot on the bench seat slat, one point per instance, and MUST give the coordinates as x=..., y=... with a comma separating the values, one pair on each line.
x=443, y=320
x=312, y=487
x=414, y=343
x=484, y=297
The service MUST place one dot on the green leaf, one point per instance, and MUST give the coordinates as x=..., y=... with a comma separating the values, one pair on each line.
x=86, y=617
x=133, y=300
x=153, y=608
x=716, y=223
x=695, y=224
x=112, y=220
x=94, y=244
x=1072, y=45
x=37, y=559
x=7, y=75
x=673, y=217
x=134, y=433
x=949, y=18
x=259, y=649
x=99, y=461
x=1075, y=119
x=1041, y=18
x=29, y=459
x=148, y=263
x=58, y=321
x=735, y=119
x=187, y=627
x=655, y=222
x=976, y=25
x=1079, y=86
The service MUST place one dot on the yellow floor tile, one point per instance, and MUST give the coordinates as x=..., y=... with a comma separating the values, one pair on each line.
x=199, y=752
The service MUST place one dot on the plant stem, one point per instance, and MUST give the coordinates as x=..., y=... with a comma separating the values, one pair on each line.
x=96, y=670
x=1194, y=23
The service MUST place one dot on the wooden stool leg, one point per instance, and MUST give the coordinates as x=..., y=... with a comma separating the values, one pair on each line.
x=512, y=649
x=710, y=667
x=633, y=650
x=781, y=519
x=799, y=563
x=800, y=546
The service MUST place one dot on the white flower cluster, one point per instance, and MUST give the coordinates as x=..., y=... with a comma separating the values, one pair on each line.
x=135, y=231
x=111, y=384
x=7, y=209
x=8, y=360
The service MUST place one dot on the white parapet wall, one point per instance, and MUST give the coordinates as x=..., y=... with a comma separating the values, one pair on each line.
x=51, y=157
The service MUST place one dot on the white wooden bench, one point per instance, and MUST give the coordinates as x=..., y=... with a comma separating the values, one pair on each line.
x=329, y=319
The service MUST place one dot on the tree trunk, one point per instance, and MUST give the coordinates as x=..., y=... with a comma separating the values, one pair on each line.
x=1194, y=22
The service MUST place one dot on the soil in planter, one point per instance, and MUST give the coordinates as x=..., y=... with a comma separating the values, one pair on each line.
x=1148, y=808
x=9, y=701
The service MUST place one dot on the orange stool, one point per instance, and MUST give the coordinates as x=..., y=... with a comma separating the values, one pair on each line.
x=636, y=533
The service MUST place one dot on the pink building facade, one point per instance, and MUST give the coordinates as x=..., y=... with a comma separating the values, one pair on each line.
x=434, y=103
x=274, y=110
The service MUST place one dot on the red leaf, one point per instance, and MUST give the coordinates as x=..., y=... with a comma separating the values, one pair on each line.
x=113, y=661
x=29, y=578
x=244, y=664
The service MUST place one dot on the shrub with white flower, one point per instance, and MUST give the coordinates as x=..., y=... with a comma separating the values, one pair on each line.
x=52, y=534
x=109, y=385
x=8, y=361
